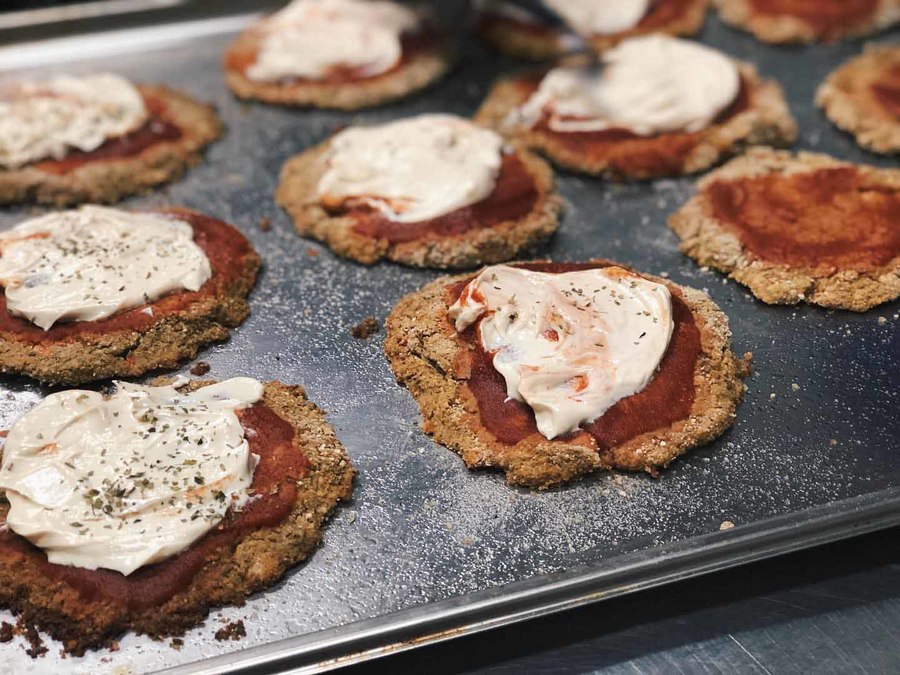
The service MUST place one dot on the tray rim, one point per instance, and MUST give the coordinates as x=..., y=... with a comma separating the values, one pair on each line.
x=508, y=604
x=430, y=623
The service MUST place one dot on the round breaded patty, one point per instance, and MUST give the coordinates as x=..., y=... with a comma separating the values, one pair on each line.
x=835, y=22
x=429, y=358
x=255, y=562
x=716, y=244
x=423, y=68
x=297, y=194
x=107, y=180
x=670, y=17
x=157, y=335
x=849, y=97
x=766, y=119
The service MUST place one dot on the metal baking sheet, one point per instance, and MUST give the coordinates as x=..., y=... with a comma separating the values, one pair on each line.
x=429, y=550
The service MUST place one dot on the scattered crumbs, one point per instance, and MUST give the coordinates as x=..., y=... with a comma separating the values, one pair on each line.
x=467, y=541
x=36, y=646
x=664, y=275
x=365, y=328
x=832, y=441
x=7, y=631
x=232, y=631
x=795, y=386
x=177, y=644
x=311, y=252
x=772, y=395
x=882, y=321
x=200, y=368
x=265, y=223
x=726, y=525
x=351, y=518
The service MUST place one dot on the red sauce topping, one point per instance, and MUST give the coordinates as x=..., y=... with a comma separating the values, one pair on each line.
x=829, y=18
x=281, y=464
x=222, y=244
x=158, y=128
x=514, y=196
x=887, y=90
x=627, y=152
x=411, y=44
x=667, y=399
x=662, y=13
x=831, y=216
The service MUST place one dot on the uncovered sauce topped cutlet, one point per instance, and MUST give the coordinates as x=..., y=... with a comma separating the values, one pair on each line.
x=221, y=243
x=667, y=399
x=625, y=150
x=158, y=128
x=514, y=196
x=827, y=17
x=832, y=216
x=280, y=465
x=887, y=90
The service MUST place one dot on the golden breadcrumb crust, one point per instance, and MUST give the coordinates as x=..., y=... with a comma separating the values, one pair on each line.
x=418, y=72
x=783, y=29
x=713, y=244
x=106, y=181
x=847, y=98
x=524, y=44
x=428, y=358
x=297, y=194
x=128, y=352
x=766, y=120
x=232, y=574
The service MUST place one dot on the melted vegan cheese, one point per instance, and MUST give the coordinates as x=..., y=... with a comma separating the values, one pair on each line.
x=647, y=85
x=413, y=169
x=47, y=119
x=88, y=264
x=569, y=345
x=589, y=17
x=310, y=38
x=124, y=481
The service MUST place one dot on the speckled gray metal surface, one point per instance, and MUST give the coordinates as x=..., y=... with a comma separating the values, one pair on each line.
x=819, y=424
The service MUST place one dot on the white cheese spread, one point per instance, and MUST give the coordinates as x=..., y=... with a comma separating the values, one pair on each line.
x=648, y=85
x=589, y=17
x=414, y=169
x=569, y=345
x=129, y=480
x=88, y=264
x=310, y=38
x=47, y=119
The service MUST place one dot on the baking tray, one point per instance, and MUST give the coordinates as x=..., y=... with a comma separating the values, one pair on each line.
x=428, y=550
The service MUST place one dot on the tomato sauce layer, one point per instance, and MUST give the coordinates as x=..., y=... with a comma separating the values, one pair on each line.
x=662, y=13
x=411, y=44
x=829, y=18
x=626, y=151
x=514, y=196
x=832, y=216
x=667, y=399
x=158, y=128
x=281, y=464
x=223, y=245
x=887, y=90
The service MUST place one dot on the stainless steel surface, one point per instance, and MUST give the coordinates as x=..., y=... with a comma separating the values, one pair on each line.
x=428, y=549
